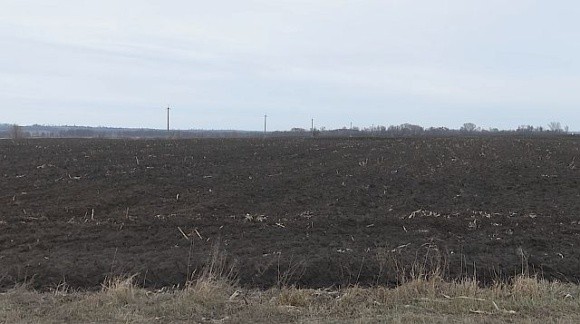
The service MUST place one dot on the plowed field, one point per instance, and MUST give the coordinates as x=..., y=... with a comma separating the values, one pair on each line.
x=311, y=212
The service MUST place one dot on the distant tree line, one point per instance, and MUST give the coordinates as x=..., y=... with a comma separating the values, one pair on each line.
x=403, y=130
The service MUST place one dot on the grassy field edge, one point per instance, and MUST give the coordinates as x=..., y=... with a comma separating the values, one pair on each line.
x=215, y=298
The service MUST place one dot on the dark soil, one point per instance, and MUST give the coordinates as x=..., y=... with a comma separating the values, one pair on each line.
x=311, y=212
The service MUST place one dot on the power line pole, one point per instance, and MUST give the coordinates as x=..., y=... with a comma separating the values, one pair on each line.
x=312, y=126
x=168, y=118
x=265, y=124
x=350, y=132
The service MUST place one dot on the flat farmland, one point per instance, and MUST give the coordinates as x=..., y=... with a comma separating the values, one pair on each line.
x=307, y=212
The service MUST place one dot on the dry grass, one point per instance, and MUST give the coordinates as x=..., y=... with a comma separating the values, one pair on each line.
x=214, y=297
x=215, y=300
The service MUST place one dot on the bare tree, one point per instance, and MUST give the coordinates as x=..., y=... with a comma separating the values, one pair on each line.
x=555, y=126
x=16, y=132
x=468, y=127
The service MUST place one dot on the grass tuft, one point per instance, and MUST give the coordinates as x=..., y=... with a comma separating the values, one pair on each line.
x=122, y=290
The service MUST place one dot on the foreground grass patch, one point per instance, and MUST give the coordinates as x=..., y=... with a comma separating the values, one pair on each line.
x=215, y=300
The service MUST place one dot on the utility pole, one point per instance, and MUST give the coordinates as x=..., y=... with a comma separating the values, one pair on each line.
x=168, y=119
x=350, y=130
x=265, y=124
x=312, y=126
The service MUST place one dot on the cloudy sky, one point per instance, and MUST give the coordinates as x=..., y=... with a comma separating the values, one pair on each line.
x=223, y=64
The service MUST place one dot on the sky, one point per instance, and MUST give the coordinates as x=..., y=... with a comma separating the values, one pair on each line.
x=224, y=64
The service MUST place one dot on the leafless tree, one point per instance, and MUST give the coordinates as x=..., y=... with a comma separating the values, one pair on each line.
x=468, y=127
x=16, y=132
x=555, y=126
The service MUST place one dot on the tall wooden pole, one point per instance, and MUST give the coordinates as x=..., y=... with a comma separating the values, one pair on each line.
x=168, y=118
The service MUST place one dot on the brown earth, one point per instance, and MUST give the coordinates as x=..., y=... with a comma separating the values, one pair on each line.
x=311, y=212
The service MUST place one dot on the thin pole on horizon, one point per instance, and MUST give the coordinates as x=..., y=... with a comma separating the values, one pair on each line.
x=168, y=108
x=350, y=130
x=265, y=124
x=312, y=126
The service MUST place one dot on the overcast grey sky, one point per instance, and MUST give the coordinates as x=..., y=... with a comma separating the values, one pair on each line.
x=223, y=64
